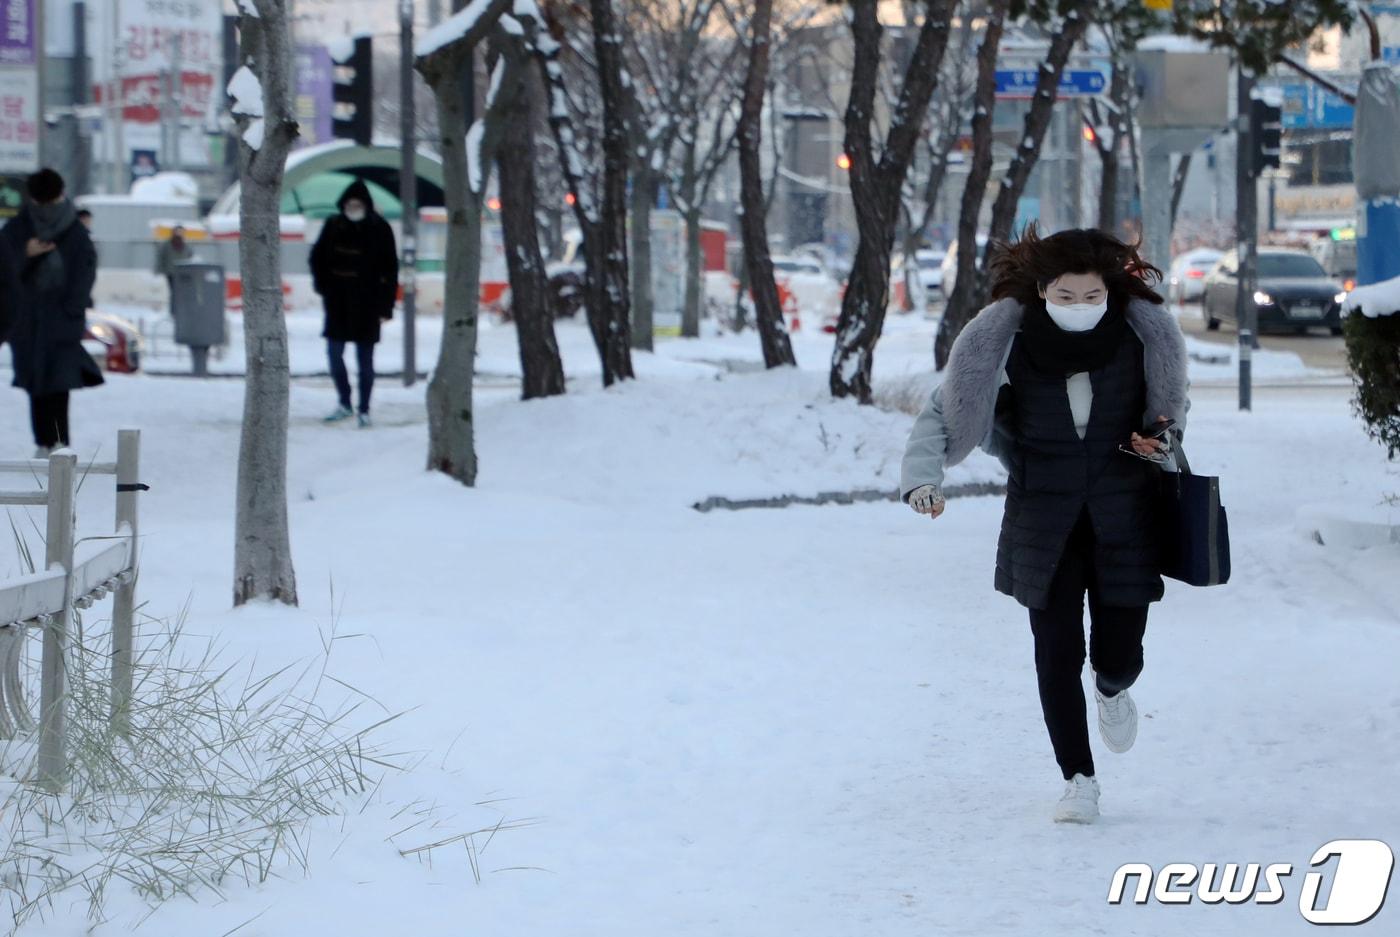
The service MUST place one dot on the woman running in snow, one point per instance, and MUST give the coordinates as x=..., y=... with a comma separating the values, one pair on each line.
x=1069, y=378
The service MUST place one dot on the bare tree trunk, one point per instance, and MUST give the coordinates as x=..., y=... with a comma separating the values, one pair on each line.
x=262, y=546
x=959, y=308
x=777, y=347
x=1027, y=153
x=1183, y=169
x=694, y=275
x=451, y=440
x=530, y=301
x=876, y=185
x=643, y=197
x=1037, y=123
x=597, y=299
x=612, y=249
x=1108, y=153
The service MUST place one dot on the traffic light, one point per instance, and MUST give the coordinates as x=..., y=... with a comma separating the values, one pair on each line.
x=353, y=92
x=1266, y=131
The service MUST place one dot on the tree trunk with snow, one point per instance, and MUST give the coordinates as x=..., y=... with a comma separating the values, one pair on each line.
x=451, y=437
x=1037, y=122
x=694, y=274
x=768, y=312
x=645, y=183
x=876, y=182
x=1118, y=90
x=604, y=248
x=530, y=300
x=612, y=225
x=267, y=128
x=959, y=307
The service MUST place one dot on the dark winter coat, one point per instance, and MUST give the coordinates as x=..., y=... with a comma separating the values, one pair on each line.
x=355, y=268
x=48, y=299
x=1054, y=474
x=991, y=397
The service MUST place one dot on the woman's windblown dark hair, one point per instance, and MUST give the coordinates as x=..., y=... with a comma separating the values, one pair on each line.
x=1020, y=269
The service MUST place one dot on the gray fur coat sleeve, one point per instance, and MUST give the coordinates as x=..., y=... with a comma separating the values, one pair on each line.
x=926, y=452
x=960, y=414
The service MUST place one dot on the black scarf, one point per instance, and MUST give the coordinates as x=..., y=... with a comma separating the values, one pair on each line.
x=46, y=272
x=1054, y=350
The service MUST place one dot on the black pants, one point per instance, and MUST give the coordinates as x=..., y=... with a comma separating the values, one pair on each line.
x=364, y=355
x=1115, y=649
x=48, y=414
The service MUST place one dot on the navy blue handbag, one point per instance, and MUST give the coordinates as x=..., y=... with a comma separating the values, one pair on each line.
x=1195, y=544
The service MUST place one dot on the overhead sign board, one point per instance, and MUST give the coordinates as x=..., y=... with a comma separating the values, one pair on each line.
x=1074, y=83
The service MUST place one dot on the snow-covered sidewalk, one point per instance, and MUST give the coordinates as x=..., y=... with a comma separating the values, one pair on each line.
x=818, y=721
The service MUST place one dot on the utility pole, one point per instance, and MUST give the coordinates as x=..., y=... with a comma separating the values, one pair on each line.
x=82, y=159
x=408, y=193
x=177, y=95
x=116, y=99
x=1247, y=231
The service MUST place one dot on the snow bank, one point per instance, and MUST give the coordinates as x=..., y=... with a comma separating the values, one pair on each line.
x=838, y=691
x=176, y=188
x=1375, y=299
x=1166, y=42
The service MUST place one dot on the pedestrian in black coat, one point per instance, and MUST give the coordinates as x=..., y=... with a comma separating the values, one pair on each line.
x=355, y=269
x=53, y=265
x=1076, y=379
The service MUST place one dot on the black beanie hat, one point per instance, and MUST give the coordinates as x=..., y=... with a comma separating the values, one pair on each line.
x=45, y=185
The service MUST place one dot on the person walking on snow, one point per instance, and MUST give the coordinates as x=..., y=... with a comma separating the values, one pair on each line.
x=1069, y=378
x=355, y=269
x=51, y=266
x=175, y=250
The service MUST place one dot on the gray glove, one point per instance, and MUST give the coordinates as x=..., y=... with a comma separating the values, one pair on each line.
x=927, y=499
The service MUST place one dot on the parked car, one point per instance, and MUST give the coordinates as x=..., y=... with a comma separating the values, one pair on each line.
x=949, y=267
x=1291, y=291
x=807, y=289
x=927, y=277
x=113, y=342
x=1187, y=277
x=1338, y=257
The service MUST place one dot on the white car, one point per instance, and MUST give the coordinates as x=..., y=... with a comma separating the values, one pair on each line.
x=930, y=268
x=814, y=294
x=1187, y=277
x=949, y=267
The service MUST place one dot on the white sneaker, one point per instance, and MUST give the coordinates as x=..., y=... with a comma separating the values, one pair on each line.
x=1080, y=801
x=42, y=452
x=1118, y=719
x=364, y=421
x=338, y=414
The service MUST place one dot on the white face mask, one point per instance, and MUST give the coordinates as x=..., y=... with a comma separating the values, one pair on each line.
x=355, y=214
x=1081, y=317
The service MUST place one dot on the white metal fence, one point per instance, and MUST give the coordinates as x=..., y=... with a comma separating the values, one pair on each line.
x=77, y=573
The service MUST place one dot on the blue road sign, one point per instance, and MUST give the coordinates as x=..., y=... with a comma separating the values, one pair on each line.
x=1074, y=82
x=1308, y=107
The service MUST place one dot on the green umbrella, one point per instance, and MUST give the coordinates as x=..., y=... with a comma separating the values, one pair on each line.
x=317, y=196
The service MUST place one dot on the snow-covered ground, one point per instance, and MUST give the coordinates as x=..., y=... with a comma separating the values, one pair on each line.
x=813, y=720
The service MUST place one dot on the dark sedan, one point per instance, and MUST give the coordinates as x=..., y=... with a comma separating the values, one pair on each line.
x=1291, y=291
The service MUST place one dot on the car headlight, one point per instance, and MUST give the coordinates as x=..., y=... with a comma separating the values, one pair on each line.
x=102, y=332
x=1262, y=298
x=1340, y=297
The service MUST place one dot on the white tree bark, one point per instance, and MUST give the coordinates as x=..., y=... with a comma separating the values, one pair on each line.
x=262, y=546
